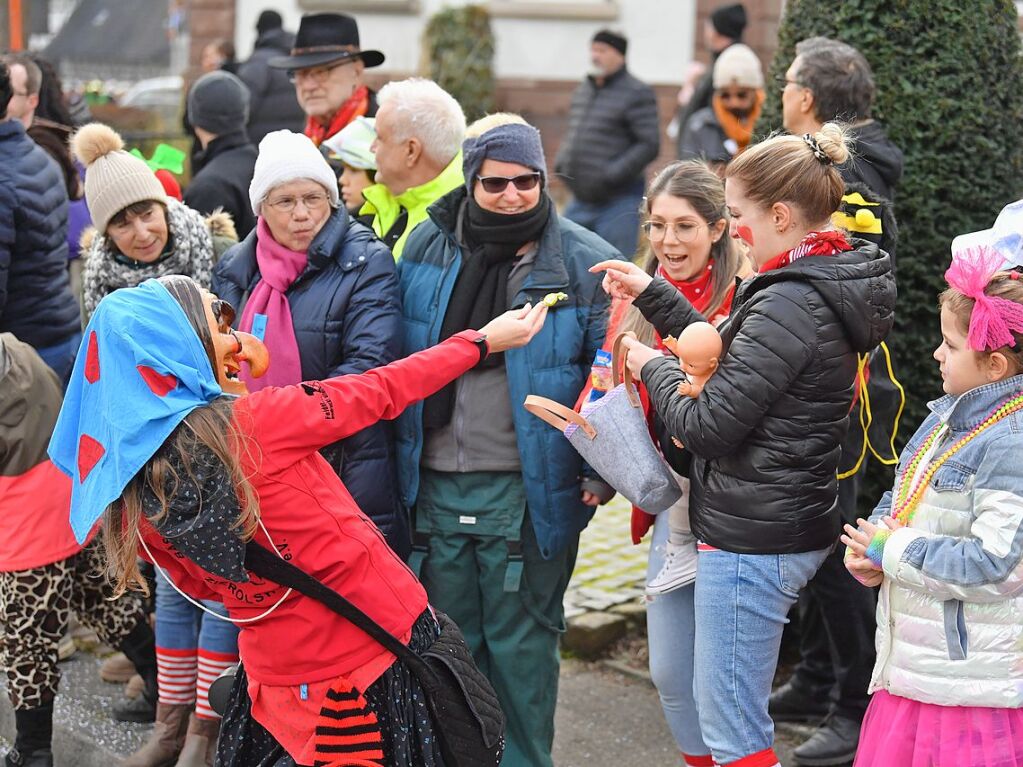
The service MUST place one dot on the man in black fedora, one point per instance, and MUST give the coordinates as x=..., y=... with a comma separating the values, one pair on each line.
x=326, y=65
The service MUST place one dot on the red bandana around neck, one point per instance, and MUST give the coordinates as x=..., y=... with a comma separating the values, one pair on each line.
x=356, y=106
x=827, y=243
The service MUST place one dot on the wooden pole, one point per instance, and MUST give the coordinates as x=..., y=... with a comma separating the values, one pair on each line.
x=17, y=26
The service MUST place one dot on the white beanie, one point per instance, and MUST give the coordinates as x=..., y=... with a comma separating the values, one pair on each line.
x=738, y=65
x=285, y=156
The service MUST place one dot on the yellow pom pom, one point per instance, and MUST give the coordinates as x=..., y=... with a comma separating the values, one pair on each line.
x=864, y=218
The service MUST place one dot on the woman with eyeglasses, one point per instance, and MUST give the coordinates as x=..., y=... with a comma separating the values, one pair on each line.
x=140, y=234
x=686, y=225
x=322, y=293
x=499, y=498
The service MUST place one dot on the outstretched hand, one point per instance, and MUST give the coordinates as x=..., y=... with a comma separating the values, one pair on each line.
x=622, y=279
x=515, y=327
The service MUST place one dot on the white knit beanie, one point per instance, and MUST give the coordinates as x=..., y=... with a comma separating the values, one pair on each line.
x=114, y=179
x=738, y=65
x=285, y=156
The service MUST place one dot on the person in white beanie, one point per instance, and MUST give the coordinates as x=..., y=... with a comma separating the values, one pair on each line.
x=322, y=293
x=717, y=133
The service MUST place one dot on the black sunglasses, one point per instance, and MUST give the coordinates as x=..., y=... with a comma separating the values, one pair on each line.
x=497, y=184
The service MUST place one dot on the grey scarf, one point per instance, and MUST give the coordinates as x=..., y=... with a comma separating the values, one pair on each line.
x=192, y=256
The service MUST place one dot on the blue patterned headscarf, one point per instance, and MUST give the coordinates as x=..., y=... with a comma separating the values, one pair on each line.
x=140, y=370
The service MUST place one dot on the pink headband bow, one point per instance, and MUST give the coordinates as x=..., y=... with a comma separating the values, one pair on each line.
x=993, y=319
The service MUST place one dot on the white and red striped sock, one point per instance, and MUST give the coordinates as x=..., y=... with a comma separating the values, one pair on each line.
x=176, y=672
x=211, y=664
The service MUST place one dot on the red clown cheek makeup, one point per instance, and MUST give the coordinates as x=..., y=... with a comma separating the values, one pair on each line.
x=745, y=234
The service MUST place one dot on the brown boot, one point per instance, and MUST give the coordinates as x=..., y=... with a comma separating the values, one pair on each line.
x=200, y=743
x=166, y=739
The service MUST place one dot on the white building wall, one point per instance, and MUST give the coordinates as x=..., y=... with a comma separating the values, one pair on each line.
x=661, y=36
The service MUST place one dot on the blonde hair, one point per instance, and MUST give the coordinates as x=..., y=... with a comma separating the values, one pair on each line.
x=493, y=120
x=790, y=169
x=1002, y=285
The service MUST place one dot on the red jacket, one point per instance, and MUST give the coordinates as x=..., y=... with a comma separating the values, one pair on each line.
x=35, y=496
x=313, y=520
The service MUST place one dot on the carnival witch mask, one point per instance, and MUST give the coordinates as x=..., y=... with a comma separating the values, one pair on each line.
x=231, y=347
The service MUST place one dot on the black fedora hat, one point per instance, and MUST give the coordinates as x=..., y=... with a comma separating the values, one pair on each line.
x=324, y=38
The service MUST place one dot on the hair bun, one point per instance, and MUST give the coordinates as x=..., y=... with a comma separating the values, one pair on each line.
x=834, y=142
x=95, y=140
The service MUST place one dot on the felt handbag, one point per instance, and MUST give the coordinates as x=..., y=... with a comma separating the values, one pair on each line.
x=464, y=707
x=614, y=439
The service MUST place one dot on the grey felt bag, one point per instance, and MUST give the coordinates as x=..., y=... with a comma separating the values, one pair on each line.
x=614, y=439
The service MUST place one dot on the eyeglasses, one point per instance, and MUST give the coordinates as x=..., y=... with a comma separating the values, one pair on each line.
x=312, y=201
x=784, y=82
x=223, y=313
x=684, y=231
x=318, y=74
x=497, y=184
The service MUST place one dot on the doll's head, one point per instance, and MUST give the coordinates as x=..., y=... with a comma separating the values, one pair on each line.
x=699, y=347
x=981, y=323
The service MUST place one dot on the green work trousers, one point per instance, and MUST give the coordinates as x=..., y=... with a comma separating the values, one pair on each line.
x=513, y=634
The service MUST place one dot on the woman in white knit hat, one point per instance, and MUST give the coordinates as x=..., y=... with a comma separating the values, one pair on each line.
x=322, y=293
x=142, y=233
x=139, y=231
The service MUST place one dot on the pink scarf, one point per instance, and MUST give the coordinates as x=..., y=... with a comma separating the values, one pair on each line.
x=279, y=267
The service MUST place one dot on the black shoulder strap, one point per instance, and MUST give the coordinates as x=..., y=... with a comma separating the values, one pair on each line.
x=267, y=564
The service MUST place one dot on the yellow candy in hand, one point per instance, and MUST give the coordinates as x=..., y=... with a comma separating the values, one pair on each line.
x=553, y=298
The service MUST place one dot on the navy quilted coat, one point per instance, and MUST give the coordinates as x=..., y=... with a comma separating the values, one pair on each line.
x=347, y=319
x=36, y=303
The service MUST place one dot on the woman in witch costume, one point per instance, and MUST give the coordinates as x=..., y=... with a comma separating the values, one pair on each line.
x=188, y=474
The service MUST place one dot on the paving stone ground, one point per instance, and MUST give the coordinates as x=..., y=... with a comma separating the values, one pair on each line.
x=609, y=570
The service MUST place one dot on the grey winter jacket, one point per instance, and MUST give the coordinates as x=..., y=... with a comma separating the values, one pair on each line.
x=765, y=432
x=273, y=104
x=613, y=134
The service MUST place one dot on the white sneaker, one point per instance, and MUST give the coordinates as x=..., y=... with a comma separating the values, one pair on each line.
x=679, y=569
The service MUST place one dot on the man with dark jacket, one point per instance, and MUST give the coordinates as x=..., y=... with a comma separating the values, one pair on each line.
x=218, y=106
x=832, y=81
x=613, y=134
x=36, y=303
x=273, y=104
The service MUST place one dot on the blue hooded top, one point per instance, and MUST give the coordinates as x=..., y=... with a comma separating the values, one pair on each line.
x=140, y=370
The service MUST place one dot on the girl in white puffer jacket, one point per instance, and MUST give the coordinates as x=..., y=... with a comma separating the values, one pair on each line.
x=946, y=547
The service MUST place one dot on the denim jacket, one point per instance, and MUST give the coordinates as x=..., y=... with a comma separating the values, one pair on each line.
x=949, y=613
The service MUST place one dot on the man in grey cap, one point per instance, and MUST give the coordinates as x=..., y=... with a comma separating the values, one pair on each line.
x=218, y=109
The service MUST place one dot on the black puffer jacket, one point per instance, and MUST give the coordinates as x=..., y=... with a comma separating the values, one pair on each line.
x=613, y=134
x=36, y=303
x=765, y=431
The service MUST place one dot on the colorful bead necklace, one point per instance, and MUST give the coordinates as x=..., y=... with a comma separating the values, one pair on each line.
x=909, y=493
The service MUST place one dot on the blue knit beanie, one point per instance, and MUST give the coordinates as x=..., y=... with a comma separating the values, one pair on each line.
x=515, y=142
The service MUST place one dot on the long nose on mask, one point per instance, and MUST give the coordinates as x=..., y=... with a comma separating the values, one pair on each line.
x=254, y=352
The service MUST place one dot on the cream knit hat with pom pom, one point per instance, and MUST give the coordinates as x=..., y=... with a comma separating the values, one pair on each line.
x=114, y=179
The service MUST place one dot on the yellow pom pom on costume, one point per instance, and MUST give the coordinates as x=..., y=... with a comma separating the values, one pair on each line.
x=865, y=219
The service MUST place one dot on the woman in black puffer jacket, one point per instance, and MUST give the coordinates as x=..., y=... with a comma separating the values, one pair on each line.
x=766, y=429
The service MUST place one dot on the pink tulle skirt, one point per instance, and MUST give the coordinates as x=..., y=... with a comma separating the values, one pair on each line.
x=898, y=732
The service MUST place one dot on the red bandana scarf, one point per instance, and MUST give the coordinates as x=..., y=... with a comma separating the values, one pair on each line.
x=827, y=243
x=356, y=106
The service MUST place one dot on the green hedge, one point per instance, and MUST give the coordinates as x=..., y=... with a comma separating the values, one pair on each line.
x=459, y=46
x=950, y=92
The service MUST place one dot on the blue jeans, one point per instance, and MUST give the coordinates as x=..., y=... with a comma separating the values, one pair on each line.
x=616, y=221
x=671, y=631
x=742, y=605
x=182, y=626
x=61, y=357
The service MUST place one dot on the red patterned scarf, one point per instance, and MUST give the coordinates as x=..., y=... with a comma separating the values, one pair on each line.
x=356, y=106
x=827, y=243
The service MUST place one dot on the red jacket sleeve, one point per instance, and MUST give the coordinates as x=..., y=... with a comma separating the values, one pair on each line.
x=290, y=422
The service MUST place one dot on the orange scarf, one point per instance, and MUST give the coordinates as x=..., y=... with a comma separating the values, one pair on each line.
x=740, y=131
x=356, y=106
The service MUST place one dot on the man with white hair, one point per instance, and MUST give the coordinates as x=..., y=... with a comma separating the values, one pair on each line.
x=418, y=149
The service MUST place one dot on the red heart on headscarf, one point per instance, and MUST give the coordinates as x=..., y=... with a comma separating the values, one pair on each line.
x=89, y=453
x=159, y=383
x=92, y=359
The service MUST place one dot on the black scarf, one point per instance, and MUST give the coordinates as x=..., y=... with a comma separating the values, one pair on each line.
x=492, y=241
